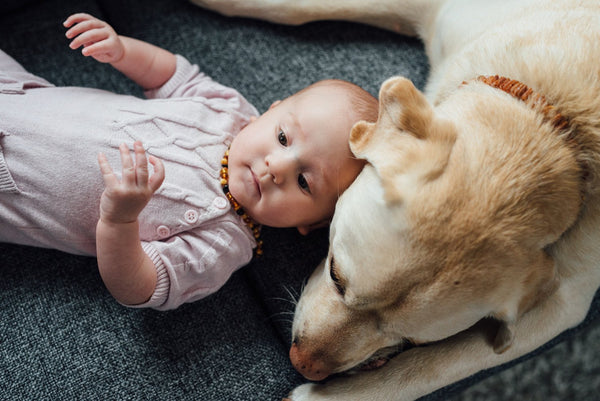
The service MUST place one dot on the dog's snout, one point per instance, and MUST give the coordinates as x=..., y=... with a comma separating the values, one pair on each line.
x=307, y=365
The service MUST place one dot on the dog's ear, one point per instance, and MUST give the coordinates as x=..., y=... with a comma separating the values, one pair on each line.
x=504, y=337
x=407, y=143
x=539, y=284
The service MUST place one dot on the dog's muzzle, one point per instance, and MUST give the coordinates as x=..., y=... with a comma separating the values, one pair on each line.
x=316, y=369
x=312, y=368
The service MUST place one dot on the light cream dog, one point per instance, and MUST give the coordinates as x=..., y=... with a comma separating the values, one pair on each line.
x=480, y=200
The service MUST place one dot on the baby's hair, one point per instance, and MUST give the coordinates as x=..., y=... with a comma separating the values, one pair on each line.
x=364, y=105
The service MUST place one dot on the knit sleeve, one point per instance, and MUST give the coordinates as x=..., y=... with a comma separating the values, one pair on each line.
x=188, y=81
x=191, y=266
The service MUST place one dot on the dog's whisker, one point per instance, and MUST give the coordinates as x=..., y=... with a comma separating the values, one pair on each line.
x=286, y=322
x=281, y=317
x=282, y=313
x=290, y=301
x=291, y=293
x=304, y=282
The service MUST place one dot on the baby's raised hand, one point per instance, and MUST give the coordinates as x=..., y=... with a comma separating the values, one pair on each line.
x=98, y=39
x=123, y=200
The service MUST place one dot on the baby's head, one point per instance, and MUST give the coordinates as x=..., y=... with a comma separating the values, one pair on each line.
x=288, y=167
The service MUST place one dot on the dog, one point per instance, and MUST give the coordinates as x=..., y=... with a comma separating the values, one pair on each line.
x=472, y=233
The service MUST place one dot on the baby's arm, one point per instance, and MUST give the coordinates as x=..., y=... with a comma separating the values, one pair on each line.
x=147, y=65
x=127, y=271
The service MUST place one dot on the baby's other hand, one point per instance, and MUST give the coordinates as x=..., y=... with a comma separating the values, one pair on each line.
x=98, y=38
x=123, y=200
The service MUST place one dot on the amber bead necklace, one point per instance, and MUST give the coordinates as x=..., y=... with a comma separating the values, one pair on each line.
x=254, y=226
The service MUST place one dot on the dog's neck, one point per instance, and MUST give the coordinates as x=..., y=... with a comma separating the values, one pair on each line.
x=522, y=92
x=537, y=101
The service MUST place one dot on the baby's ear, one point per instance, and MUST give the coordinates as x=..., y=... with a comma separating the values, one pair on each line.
x=304, y=230
x=275, y=103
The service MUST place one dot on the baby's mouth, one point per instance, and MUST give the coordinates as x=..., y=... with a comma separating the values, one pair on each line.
x=256, y=183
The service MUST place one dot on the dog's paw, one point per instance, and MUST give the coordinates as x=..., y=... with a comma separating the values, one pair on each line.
x=278, y=11
x=305, y=392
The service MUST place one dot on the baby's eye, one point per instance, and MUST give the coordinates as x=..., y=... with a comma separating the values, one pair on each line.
x=282, y=138
x=303, y=183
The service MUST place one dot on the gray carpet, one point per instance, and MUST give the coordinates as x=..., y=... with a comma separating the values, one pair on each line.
x=62, y=337
x=570, y=371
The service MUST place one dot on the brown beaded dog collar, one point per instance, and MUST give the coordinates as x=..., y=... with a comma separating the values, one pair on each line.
x=522, y=92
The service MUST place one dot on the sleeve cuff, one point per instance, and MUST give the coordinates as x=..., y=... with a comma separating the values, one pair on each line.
x=183, y=72
x=161, y=291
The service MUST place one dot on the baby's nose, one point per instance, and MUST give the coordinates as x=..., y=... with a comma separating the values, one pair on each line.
x=281, y=167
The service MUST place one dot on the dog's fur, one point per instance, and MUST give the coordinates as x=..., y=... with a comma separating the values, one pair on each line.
x=474, y=204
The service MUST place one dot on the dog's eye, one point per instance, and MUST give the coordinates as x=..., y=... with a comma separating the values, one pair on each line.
x=335, y=277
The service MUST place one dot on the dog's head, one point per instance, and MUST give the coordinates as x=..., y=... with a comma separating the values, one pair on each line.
x=448, y=223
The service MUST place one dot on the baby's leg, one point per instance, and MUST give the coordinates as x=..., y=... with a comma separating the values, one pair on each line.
x=14, y=78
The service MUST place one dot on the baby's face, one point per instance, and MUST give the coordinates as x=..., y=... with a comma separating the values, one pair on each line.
x=288, y=167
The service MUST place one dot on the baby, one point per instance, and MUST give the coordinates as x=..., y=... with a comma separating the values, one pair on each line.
x=206, y=171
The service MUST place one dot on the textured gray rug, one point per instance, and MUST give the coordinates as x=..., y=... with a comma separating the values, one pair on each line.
x=62, y=337
x=570, y=371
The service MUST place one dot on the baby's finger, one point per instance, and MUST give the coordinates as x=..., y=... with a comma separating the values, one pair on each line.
x=159, y=173
x=96, y=49
x=141, y=164
x=83, y=27
x=93, y=36
x=127, y=165
x=107, y=173
x=76, y=18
